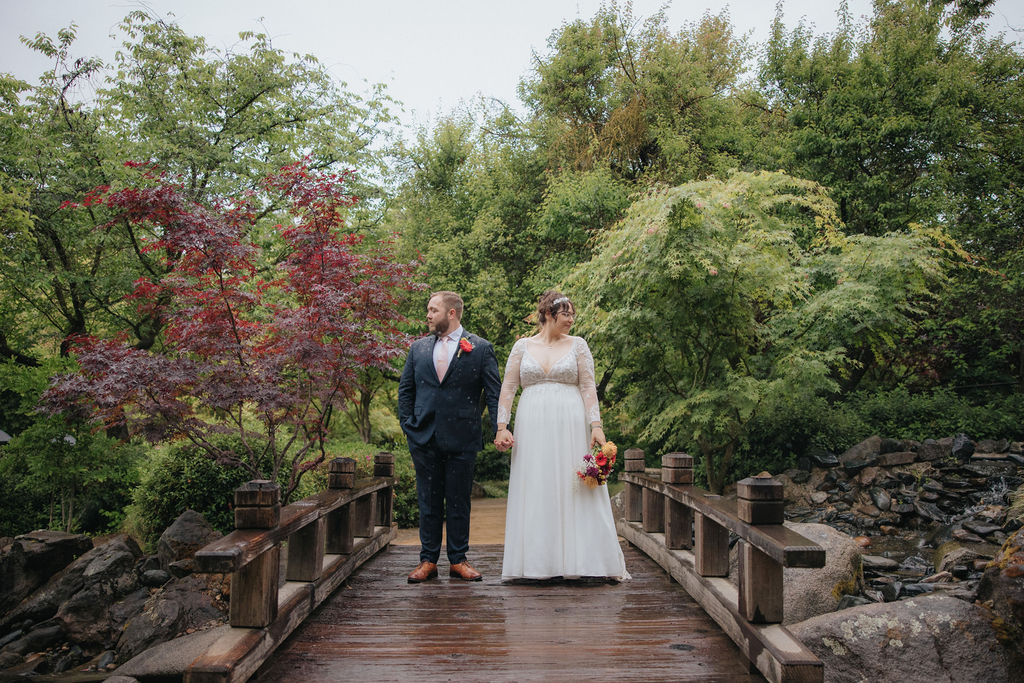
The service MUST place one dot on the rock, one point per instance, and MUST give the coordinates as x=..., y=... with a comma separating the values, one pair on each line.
x=180, y=541
x=168, y=661
x=107, y=573
x=44, y=603
x=31, y=559
x=941, y=577
x=929, y=511
x=931, y=638
x=155, y=578
x=950, y=554
x=980, y=528
x=182, y=605
x=9, y=659
x=965, y=536
x=120, y=679
x=862, y=455
x=37, y=639
x=807, y=592
x=931, y=450
x=896, y=458
x=862, y=541
x=819, y=497
x=1002, y=589
x=848, y=601
x=868, y=475
x=992, y=446
x=822, y=458
x=878, y=563
x=962, y=447
x=881, y=499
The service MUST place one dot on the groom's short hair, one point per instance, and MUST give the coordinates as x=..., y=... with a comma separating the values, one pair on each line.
x=450, y=300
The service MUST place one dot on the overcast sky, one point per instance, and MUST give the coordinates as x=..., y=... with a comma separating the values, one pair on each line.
x=432, y=54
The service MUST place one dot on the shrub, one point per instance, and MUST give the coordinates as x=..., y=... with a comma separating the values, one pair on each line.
x=180, y=477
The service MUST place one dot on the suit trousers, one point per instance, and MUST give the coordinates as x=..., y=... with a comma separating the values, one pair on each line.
x=444, y=486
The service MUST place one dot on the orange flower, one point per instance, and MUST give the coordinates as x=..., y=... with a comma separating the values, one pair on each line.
x=610, y=450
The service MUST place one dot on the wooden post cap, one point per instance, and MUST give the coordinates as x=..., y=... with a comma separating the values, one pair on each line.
x=257, y=505
x=759, y=488
x=383, y=465
x=341, y=474
x=677, y=475
x=258, y=493
x=634, y=454
x=347, y=465
x=677, y=460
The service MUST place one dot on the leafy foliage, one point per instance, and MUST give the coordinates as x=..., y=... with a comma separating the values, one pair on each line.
x=240, y=350
x=717, y=297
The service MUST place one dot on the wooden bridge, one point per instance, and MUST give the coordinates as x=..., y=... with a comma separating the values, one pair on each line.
x=679, y=618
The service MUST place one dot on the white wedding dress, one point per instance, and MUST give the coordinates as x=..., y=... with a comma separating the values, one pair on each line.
x=555, y=524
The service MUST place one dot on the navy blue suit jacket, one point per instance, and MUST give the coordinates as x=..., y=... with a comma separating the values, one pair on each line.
x=449, y=410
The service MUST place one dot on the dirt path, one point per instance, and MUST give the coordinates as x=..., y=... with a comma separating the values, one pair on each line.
x=486, y=524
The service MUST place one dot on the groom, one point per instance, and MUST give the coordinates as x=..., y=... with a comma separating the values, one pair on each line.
x=439, y=407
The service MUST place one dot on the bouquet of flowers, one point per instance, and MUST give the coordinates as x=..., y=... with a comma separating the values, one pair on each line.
x=597, y=464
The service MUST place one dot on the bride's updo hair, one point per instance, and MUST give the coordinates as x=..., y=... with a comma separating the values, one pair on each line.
x=550, y=304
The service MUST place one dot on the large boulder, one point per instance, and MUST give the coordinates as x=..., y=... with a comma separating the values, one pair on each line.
x=809, y=592
x=169, y=660
x=29, y=560
x=184, y=605
x=180, y=541
x=862, y=455
x=1002, y=589
x=931, y=638
x=108, y=574
x=94, y=566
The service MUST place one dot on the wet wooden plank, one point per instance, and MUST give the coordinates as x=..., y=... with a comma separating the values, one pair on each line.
x=769, y=647
x=775, y=540
x=379, y=627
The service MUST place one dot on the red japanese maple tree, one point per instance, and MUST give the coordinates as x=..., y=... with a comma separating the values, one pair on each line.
x=268, y=359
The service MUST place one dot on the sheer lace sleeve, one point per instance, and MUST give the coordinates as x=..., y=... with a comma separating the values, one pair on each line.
x=587, y=383
x=510, y=384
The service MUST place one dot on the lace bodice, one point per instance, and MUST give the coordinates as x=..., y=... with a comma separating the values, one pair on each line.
x=576, y=368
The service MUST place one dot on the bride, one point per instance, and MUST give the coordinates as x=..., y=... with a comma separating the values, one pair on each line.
x=555, y=525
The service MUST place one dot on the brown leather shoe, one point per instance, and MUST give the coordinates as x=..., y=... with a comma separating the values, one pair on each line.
x=463, y=571
x=426, y=570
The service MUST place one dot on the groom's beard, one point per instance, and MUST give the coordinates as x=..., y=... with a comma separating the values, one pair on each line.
x=441, y=328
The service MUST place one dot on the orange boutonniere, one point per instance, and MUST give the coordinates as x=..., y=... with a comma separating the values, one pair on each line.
x=464, y=346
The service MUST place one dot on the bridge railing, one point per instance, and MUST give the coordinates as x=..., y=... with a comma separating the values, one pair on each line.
x=327, y=537
x=686, y=530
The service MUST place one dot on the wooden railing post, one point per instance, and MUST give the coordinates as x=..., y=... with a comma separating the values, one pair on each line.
x=306, y=551
x=341, y=521
x=677, y=468
x=759, y=501
x=254, y=586
x=384, y=466
x=653, y=511
x=711, y=556
x=633, y=495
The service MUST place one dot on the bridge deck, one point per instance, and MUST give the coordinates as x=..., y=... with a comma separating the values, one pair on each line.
x=378, y=627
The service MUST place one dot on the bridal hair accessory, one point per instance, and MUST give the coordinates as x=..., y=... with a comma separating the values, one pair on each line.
x=464, y=345
x=597, y=465
x=560, y=300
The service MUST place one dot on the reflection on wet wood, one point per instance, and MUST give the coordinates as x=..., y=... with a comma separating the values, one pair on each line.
x=378, y=627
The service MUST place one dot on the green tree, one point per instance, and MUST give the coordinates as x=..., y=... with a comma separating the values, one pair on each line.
x=716, y=297
x=915, y=118
x=218, y=119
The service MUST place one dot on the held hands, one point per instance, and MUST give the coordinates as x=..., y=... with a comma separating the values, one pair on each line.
x=596, y=436
x=504, y=440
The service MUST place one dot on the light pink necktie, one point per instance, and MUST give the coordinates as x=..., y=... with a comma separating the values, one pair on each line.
x=442, y=360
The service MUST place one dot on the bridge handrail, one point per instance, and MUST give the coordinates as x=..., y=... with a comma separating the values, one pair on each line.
x=328, y=536
x=686, y=530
